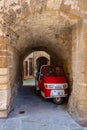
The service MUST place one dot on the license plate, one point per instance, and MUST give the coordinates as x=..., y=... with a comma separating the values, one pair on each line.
x=57, y=92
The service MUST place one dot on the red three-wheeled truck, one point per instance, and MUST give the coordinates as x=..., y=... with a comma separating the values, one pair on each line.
x=51, y=82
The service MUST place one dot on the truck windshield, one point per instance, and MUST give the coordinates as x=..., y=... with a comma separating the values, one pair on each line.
x=54, y=71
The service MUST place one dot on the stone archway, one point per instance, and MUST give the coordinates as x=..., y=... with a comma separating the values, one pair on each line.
x=59, y=28
x=32, y=61
x=41, y=61
x=16, y=57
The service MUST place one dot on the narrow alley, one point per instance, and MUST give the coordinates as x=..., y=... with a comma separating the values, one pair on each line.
x=31, y=112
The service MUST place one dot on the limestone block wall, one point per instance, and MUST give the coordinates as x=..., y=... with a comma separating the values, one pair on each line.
x=14, y=78
x=13, y=11
x=4, y=79
x=8, y=75
x=78, y=99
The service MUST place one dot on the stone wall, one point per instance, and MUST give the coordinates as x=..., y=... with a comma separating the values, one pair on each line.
x=47, y=25
x=4, y=79
x=8, y=75
x=78, y=99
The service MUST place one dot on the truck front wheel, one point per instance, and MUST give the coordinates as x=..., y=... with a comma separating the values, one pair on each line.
x=58, y=100
x=37, y=91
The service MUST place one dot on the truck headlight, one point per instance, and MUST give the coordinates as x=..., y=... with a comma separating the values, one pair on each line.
x=56, y=86
x=47, y=86
x=65, y=86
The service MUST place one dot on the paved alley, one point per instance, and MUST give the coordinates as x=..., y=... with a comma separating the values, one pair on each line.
x=32, y=112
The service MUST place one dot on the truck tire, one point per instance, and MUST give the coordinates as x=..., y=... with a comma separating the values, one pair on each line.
x=37, y=91
x=58, y=100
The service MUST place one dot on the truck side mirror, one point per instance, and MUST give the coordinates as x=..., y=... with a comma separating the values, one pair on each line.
x=37, y=75
x=41, y=75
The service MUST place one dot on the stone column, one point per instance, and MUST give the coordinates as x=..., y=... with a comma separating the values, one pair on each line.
x=9, y=69
x=4, y=78
x=78, y=99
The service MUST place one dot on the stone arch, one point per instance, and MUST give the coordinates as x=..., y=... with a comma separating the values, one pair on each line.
x=35, y=40
x=41, y=61
x=30, y=63
x=54, y=45
x=20, y=34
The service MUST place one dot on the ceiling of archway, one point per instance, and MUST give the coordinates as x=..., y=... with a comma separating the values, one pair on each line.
x=45, y=32
x=42, y=24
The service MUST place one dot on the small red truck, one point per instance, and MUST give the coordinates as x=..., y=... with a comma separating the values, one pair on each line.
x=52, y=83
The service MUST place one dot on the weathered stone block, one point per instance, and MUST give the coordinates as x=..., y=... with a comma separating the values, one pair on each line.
x=10, y=49
x=53, y=4
x=4, y=53
x=3, y=99
x=4, y=41
x=3, y=62
x=25, y=9
x=8, y=3
x=10, y=61
x=32, y=6
x=3, y=86
x=1, y=4
x=3, y=46
x=82, y=4
x=3, y=113
x=4, y=79
x=4, y=71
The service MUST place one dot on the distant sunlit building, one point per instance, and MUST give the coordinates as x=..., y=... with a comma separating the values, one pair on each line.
x=33, y=62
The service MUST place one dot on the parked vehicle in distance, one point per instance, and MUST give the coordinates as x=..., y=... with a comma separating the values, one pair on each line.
x=51, y=82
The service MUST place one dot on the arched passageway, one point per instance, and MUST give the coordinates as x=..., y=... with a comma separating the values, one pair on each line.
x=41, y=61
x=58, y=28
x=33, y=62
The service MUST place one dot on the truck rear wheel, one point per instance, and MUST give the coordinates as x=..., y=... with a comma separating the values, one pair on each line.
x=58, y=100
x=37, y=90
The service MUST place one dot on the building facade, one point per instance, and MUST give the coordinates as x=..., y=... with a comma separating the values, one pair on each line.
x=33, y=61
